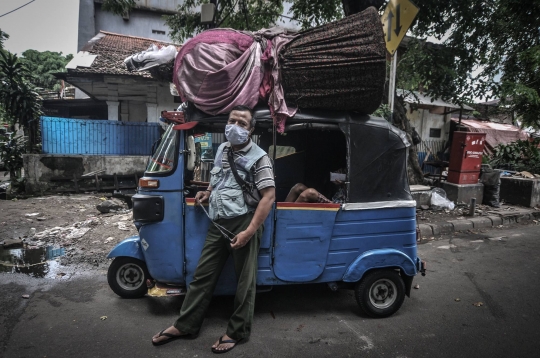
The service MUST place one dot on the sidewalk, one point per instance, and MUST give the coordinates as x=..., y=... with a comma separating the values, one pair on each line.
x=495, y=218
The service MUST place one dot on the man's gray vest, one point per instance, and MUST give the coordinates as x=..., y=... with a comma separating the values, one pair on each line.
x=227, y=199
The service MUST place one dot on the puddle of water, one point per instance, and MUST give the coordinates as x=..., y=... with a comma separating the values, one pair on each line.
x=33, y=262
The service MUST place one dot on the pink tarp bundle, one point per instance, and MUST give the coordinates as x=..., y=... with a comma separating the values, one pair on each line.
x=223, y=68
x=339, y=66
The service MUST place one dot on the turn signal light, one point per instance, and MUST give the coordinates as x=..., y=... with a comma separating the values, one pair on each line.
x=148, y=183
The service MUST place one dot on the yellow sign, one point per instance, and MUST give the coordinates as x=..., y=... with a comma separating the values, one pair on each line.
x=397, y=18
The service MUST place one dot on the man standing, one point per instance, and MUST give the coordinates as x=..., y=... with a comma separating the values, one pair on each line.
x=228, y=209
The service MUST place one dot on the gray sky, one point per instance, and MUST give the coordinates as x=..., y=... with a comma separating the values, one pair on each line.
x=44, y=25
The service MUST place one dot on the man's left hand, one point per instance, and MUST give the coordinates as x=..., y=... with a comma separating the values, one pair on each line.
x=241, y=239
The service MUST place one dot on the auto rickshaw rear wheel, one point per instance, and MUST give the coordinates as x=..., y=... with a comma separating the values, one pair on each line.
x=127, y=277
x=380, y=293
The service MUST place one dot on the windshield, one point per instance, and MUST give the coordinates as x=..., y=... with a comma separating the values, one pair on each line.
x=163, y=158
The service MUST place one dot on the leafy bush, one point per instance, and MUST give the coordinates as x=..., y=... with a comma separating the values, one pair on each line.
x=522, y=155
x=383, y=111
x=12, y=148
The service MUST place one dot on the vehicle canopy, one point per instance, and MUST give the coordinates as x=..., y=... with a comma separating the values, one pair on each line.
x=371, y=150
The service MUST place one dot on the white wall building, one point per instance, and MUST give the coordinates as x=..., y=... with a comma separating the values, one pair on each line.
x=146, y=20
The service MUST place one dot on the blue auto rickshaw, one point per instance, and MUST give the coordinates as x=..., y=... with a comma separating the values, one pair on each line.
x=367, y=243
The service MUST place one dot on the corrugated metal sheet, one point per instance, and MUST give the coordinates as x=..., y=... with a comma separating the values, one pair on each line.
x=496, y=133
x=487, y=125
x=97, y=137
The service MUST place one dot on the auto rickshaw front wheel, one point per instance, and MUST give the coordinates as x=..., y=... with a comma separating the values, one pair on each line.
x=380, y=293
x=127, y=277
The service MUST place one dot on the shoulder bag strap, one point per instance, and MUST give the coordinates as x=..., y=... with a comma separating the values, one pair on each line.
x=243, y=184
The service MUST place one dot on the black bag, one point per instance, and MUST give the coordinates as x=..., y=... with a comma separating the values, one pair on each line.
x=251, y=193
x=492, y=186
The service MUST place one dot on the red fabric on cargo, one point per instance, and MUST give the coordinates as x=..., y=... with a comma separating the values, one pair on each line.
x=217, y=70
x=226, y=36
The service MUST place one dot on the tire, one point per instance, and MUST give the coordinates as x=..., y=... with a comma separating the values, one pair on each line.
x=127, y=277
x=380, y=293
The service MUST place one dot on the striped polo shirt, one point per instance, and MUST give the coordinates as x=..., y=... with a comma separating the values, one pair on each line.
x=262, y=170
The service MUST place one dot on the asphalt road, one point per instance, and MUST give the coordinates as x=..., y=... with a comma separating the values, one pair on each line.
x=497, y=270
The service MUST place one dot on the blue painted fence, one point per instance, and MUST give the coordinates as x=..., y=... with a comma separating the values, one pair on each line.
x=97, y=137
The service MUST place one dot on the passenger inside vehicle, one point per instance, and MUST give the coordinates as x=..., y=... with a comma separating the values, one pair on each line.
x=300, y=193
x=307, y=157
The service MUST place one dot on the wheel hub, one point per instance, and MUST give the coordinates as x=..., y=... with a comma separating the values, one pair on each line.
x=130, y=277
x=382, y=293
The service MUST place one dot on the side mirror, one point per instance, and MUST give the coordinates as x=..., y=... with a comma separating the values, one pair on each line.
x=191, y=153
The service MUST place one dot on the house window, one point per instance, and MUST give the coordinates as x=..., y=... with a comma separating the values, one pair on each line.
x=159, y=32
x=435, y=133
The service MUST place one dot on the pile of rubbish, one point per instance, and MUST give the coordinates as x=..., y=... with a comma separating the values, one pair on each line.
x=4, y=188
x=154, y=56
x=523, y=174
x=339, y=66
x=63, y=236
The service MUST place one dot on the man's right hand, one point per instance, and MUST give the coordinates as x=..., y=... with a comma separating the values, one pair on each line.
x=202, y=196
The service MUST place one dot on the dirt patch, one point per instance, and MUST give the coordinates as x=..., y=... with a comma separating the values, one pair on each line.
x=70, y=221
x=459, y=212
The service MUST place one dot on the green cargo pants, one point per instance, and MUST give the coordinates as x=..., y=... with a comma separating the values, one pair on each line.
x=215, y=253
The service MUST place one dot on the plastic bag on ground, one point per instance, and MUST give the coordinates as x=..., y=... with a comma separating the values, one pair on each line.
x=439, y=200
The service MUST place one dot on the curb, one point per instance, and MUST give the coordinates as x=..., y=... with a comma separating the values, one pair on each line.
x=480, y=222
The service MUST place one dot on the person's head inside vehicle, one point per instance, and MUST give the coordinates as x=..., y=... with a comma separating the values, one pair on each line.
x=240, y=125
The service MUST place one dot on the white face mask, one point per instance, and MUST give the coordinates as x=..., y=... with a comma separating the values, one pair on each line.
x=236, y=135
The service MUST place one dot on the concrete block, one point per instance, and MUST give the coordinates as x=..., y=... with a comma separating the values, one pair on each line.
x=508, y=220
x=461, y=225
x=435, y=228
x=496, y=220
x=425, y=230
x=40, y=168
x=422, y=197
x=481, y=222
x=523, y=217
x=520, y=191
x=446, y=228
x=464, y=192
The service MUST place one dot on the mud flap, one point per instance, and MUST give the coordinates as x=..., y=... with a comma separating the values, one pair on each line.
x=408, y=283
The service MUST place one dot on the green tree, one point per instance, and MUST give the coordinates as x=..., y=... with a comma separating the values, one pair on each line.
x=3, y=37
x=490, y=48
x=236, y=14
x=17, y=95
x=41, y=66
x=20, y=105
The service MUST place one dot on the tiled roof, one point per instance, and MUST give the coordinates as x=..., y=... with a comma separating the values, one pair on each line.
x=111, y=50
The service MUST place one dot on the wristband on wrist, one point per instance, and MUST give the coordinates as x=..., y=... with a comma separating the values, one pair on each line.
x=208, y=190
